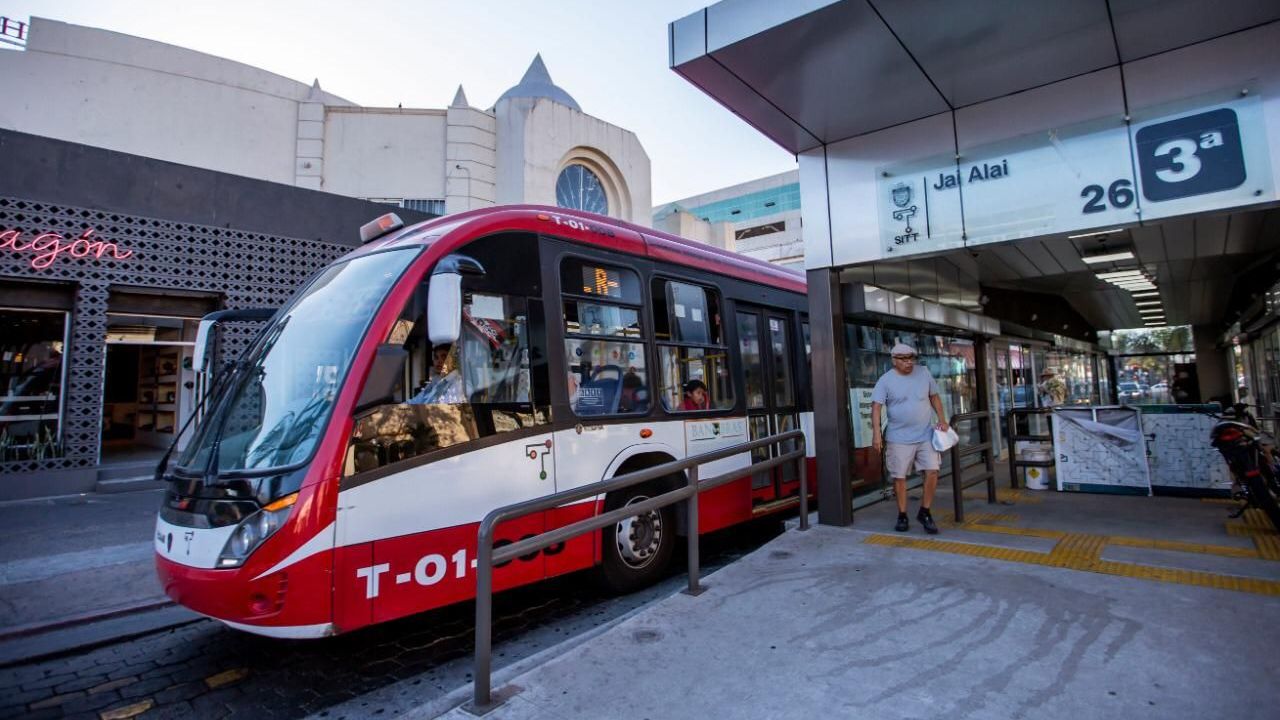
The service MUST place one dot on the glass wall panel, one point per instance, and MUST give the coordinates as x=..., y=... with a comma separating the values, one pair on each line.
x=752, y=360
x=31, y=380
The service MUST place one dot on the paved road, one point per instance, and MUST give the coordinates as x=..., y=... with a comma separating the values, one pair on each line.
x=206, y=670
x=83, y=522
x=76, y=555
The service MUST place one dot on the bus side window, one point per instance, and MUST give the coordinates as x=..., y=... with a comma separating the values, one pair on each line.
x=693, y=361
x=604, y=343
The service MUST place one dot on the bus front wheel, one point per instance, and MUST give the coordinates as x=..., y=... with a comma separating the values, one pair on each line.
x=637, y=550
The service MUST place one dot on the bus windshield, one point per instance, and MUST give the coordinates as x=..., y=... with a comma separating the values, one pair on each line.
x=281, y=394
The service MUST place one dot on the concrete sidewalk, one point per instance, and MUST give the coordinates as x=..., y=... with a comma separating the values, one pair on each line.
x=844, y=622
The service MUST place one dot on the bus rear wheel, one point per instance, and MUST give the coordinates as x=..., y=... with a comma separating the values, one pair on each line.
x=637, y=550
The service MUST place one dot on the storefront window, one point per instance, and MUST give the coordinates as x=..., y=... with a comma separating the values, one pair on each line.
x=32, y=344
x=1075, y=370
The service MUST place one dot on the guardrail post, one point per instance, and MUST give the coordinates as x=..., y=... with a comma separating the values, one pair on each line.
x=957, y=484
x=691, y=505
x=484, y=622
x=804, y=486
x=988, y=433
x=1010, y=431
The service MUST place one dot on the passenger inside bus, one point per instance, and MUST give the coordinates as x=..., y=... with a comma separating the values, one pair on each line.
x=635, y=397
x=445, y=384
x=695, y=396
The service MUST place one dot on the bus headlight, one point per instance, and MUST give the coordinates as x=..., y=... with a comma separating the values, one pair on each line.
x=253, y=530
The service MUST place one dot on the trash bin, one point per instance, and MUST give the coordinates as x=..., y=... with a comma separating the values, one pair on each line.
x=1037, y=478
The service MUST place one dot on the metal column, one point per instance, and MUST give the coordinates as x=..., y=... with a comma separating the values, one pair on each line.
x=832, y=431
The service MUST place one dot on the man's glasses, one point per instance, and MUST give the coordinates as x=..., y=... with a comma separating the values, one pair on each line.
x=905, y=358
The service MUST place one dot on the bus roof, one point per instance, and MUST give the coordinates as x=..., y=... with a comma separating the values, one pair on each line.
x=596, y=230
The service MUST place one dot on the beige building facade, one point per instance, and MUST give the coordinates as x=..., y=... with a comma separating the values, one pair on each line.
x=129, y=94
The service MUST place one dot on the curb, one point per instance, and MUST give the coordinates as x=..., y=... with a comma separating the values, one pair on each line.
x=82, y=619
x=88, y=635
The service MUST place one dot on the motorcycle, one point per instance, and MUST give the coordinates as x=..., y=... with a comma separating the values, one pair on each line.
x=1250, y=454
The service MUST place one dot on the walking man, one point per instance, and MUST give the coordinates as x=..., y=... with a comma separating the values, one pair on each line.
x=911, y=396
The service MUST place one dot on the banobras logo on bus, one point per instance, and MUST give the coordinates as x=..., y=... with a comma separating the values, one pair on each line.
x=715, y=429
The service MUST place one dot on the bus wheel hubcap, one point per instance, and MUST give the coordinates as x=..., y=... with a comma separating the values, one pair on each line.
x=639, y=537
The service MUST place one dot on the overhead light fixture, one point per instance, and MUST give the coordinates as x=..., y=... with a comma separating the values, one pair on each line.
x=900, y=298
x=1141, y=303
x=1151, y=311
x=1147, y=293
x=1095, y=233
x=1114, y=274
x=1108, y=257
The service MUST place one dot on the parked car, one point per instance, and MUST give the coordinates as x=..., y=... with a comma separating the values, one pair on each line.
x=1160, y=387
x=1129, y=391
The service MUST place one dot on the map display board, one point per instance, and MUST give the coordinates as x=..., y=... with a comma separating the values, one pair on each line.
x=1100, y=449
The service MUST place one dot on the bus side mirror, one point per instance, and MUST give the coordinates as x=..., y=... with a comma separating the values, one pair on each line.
x=386, y=373
x=202, y=344
x=444, y=297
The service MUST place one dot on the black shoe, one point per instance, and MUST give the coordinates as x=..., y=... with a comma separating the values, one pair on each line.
x=926, y=519
x=902, y=523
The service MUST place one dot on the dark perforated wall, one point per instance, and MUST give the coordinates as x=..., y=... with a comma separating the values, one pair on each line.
x=247, y=269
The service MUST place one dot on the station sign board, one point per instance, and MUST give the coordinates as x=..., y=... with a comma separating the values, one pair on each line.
x=1104, y=173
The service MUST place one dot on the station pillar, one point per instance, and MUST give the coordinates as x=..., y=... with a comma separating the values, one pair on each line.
x=832, y=431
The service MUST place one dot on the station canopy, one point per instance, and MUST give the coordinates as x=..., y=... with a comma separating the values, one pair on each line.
x=811, y=73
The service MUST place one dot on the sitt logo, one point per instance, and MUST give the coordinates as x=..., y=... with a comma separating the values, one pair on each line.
x=1192, y=155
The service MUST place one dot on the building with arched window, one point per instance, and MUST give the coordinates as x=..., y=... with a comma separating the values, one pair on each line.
x=535, y=144
x=149, y=185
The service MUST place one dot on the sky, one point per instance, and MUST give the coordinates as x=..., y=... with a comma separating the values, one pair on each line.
x=610, y=55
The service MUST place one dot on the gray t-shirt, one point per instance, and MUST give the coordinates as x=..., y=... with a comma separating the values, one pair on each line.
x=906, y=398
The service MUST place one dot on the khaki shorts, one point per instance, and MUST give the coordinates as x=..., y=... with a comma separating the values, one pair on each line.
x=899, y=457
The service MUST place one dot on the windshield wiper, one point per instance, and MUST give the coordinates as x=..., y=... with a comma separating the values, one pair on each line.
x=215, y=447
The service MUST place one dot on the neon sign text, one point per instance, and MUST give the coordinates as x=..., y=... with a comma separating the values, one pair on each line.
x=45, y=248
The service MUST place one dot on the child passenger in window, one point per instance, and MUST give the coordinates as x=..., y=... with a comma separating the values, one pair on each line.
x=695, y=396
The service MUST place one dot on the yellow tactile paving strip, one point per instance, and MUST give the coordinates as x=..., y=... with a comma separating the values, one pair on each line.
x=1006, y=495
x=1077, y=551
x=1082, y=551
x=1254, y=525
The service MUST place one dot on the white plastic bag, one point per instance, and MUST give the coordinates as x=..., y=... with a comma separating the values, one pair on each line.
x=944, y=441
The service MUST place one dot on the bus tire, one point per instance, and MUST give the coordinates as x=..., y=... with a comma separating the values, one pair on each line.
x=636, y=552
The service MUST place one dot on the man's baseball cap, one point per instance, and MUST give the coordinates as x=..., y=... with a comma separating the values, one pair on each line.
x=902, y=349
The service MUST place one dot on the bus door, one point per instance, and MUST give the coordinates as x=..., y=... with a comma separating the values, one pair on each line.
x=766, y=345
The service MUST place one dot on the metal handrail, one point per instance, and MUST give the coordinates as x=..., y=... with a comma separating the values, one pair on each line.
x=984, y=446
x=487, y=555
x=1013, y=438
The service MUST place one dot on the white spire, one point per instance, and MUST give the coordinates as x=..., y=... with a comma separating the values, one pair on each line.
x=460, y=99
x=537, y=83
x=313, y=95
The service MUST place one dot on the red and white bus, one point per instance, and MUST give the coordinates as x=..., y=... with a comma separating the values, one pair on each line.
x=469, y=362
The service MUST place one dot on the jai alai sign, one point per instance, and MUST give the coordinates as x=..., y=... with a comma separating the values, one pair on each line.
x=47, y=248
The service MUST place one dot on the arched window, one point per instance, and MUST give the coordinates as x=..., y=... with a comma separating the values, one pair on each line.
x=578, y=188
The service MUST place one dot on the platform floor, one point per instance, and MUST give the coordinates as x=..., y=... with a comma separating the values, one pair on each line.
x=1044, y=605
